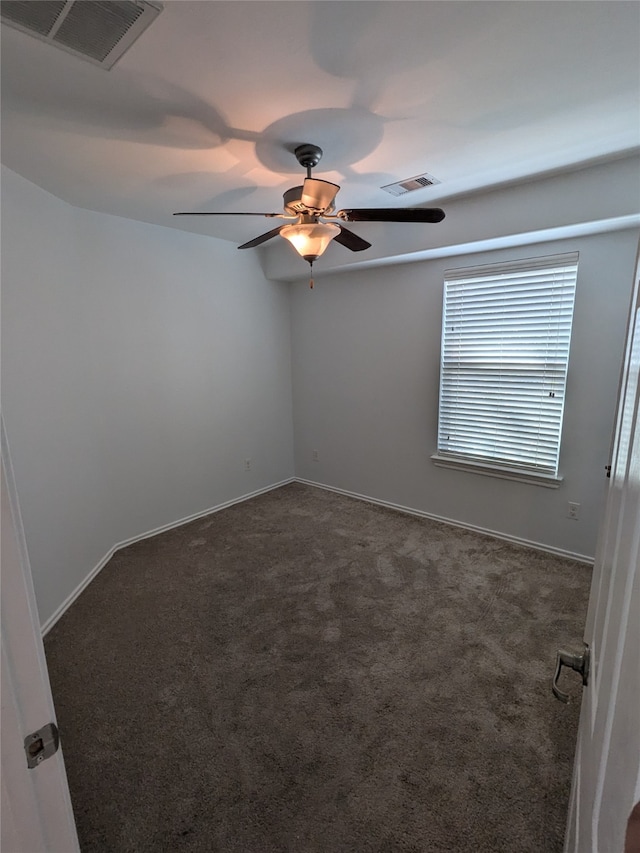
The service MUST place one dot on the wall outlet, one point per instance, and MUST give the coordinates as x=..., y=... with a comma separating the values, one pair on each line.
x=315, y=455
x=573, y=510
x=247, y=464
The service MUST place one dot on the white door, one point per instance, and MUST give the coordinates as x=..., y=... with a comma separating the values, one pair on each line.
x=606, y=779
x=36, y=807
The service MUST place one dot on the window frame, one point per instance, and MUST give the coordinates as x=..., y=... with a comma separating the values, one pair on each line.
x=483, y=279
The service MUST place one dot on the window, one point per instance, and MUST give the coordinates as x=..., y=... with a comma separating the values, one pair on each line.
x=506, y=331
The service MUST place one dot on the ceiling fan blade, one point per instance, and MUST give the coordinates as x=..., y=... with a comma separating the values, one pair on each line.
x=317, y=194
x=222, y=213
x=351, y=241
x=262, y=238
x=392, y=214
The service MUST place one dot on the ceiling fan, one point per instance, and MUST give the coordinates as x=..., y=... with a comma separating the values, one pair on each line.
x=315, y=221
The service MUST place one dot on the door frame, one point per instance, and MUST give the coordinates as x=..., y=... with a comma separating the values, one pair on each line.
x=37, y=814
x=606, y=774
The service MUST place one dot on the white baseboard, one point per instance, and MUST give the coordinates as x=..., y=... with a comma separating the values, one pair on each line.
x=538, y=546
x=496, y=534
x=51, y=621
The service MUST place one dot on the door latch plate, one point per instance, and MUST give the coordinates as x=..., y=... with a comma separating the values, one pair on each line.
x=40, y=745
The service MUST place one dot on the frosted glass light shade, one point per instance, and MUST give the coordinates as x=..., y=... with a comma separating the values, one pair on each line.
x=310, y=239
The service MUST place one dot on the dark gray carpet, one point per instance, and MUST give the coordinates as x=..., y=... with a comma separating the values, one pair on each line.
x=309, y=673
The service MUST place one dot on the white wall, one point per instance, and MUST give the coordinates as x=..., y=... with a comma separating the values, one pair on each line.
x=141, y=366
x=366, y=351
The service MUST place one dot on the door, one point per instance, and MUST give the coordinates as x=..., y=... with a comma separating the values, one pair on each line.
x=606, y=778
x=36, y=807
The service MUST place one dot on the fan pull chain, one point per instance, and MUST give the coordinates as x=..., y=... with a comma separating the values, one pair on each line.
x=311, y=276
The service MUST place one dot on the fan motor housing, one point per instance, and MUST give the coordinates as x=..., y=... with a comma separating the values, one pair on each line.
x=292, y=203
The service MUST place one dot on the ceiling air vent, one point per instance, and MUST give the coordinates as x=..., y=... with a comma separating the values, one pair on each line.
x=97, y=31
x=411, y=184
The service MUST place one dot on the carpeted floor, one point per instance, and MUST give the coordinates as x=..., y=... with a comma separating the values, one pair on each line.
x=308, y=673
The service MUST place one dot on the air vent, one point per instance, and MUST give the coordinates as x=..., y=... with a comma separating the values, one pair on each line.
x=411, y=184
x=97, y=31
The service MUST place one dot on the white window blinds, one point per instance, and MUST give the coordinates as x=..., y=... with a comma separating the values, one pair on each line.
x=505, y=349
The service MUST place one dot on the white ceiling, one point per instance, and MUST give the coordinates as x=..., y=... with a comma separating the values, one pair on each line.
x=204, y=110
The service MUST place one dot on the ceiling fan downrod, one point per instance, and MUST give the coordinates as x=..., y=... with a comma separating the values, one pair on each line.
x=308, y=156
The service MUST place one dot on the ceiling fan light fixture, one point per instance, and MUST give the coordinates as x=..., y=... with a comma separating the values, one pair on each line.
x=313, y=201
x=310, y=239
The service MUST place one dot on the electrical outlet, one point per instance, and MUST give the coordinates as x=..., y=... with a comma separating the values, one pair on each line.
x=247, y=464
x=315, y=455
x=573, y=510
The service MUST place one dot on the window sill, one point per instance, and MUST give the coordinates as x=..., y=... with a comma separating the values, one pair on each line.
x=548, y=481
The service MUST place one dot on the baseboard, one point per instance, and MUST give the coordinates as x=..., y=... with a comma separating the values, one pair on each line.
x=51, y=621
x=538, y=546
x=496, y=534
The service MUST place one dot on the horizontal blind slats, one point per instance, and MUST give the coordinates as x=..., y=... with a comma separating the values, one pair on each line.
x=564, y=261
x=505, y=348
